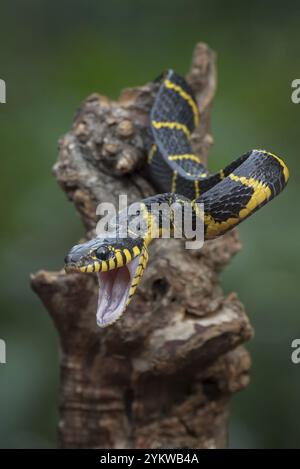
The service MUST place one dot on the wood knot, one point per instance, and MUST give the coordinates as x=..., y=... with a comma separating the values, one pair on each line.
x=125, y=128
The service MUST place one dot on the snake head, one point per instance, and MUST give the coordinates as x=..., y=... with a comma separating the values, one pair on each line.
x=119, y=264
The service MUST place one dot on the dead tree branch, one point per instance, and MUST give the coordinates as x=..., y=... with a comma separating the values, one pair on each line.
x=163, y=375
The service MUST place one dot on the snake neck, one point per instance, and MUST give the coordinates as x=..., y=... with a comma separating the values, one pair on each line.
x=165, y=215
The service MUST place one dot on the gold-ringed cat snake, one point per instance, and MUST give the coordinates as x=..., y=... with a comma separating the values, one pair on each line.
x=228, y=197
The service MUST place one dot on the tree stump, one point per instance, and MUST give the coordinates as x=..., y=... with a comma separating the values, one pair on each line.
x=162, y=376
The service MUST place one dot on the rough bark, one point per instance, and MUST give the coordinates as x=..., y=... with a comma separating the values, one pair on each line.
x=163, y=375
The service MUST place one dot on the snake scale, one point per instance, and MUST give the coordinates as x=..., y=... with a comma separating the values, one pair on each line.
x=229, y=196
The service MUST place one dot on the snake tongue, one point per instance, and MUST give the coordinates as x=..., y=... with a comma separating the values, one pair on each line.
x=114, y=286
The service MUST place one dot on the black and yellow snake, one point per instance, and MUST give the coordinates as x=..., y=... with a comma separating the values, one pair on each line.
x=229, y=197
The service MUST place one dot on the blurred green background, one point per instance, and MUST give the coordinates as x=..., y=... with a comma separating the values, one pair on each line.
x=55, y=53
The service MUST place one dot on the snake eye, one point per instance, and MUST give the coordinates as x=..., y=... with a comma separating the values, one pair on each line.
x=101, y=253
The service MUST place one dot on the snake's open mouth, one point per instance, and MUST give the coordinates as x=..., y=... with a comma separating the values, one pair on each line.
x=114, y=288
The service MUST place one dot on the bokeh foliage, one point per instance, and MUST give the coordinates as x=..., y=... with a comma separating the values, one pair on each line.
x=55, y=53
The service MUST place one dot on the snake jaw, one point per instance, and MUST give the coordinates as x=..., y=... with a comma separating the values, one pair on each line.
x=71, y=268
x=114, y=289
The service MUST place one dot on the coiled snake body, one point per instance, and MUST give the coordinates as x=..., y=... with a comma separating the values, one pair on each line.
x=228, y=197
